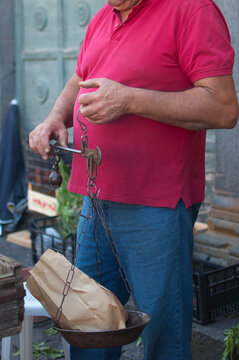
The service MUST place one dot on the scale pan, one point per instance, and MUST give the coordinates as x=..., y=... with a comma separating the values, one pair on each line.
x=103, y=339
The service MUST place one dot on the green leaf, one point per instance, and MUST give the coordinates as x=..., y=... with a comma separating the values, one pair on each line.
x=225, y=355
x=50, y=332
x=231, y=342
x=69, y=205
x=139, y=341
x=17, y=353
x=231, y=347
x=40, y=346
x=43, y=349
x=227, y=331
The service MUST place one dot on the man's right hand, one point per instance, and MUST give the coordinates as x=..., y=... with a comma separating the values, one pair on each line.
x=51, y=128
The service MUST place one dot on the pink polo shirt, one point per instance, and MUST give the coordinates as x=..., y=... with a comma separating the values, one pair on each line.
x=163, y=45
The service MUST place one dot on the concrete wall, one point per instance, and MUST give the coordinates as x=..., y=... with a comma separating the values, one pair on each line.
x=7, y=62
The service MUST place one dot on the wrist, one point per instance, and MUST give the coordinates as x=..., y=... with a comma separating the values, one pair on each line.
x=129, y=100
x=56, y=118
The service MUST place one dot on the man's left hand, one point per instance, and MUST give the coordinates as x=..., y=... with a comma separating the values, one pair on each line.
x=106, y=104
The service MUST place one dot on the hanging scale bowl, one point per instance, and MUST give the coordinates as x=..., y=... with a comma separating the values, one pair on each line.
x=103, y=339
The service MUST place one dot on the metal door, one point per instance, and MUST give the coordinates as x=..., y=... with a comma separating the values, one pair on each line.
x=49, y=35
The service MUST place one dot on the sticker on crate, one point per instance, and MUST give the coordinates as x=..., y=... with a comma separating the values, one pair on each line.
x=42, y=203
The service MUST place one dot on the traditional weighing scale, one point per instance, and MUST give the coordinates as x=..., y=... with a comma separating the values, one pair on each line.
x=136, y=319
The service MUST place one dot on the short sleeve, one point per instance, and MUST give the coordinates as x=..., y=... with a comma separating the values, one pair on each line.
x=204, y=46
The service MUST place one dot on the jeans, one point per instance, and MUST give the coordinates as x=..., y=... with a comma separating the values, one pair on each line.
x=155, y=247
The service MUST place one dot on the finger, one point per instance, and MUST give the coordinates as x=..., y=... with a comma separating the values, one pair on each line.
x=96, y=118
x=91, y=83
x=63, y=137
x=87, y=111
x=86, y=99
x=34, y=140
x=44, y=143
x=93, y=118
x=96, y=121
x=31, y=141
x=36, y=145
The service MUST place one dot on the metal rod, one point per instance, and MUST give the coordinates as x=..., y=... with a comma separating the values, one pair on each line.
x=56, y=146
x=66, y=149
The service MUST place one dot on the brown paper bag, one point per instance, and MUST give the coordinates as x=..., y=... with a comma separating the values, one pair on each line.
x=88, y=306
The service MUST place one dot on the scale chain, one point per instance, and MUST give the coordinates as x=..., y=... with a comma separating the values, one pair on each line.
x=72, y=268
x=95, y=209
x=66, y=289
x=98, y=253
x=114, y=249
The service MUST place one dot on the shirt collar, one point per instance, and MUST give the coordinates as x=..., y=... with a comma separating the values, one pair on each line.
x=135, y=8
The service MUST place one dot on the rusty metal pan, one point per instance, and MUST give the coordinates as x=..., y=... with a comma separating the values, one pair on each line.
x=103, y=339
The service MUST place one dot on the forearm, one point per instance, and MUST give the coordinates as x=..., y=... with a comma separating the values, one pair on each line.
x=211, y=103
x=64, y=105
x=195, y=109
x=59, y=119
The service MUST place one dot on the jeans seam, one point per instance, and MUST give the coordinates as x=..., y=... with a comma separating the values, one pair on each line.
x=177, y=294
x=179, y=347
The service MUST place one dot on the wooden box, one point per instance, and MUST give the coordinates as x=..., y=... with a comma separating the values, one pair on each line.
x=11, y=297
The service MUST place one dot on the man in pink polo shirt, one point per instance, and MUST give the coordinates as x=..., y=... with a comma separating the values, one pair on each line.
x=153, y=76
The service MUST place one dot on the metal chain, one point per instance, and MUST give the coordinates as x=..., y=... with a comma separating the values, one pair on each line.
x=83, y=126
x=71, y=272
x=66, y=289
x=96, y=236
x=95, y=211
x=109, y=236
x=85, y=223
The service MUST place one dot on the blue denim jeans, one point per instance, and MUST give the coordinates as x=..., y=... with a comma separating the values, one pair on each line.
x=155, y=247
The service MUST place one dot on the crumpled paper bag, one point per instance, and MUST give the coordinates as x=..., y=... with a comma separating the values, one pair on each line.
x=88, y=305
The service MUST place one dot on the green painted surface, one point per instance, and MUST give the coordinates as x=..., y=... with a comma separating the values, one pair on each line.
x=48, y=35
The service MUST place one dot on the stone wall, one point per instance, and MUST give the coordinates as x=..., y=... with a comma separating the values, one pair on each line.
x=7, y=63
x=210, y=167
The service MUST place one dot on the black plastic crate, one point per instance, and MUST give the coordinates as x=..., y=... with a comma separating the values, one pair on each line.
x=216, y=291
x=42, y=238
x=38, y=170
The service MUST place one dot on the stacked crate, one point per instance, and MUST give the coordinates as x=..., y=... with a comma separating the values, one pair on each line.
x=11, y=297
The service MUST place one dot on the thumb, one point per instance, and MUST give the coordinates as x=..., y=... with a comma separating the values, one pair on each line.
x=91, y=83
x=63, y=137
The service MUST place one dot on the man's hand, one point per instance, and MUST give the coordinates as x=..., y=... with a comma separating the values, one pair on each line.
x=40, y=137
x=106, y=104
